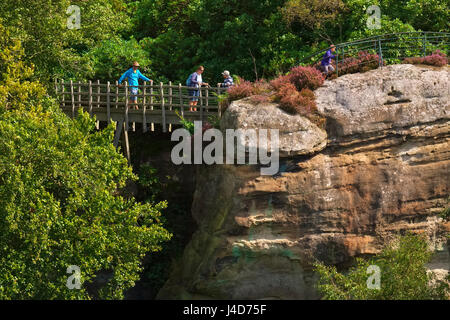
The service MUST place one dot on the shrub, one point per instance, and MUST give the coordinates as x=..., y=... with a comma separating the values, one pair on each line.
x=242, y=90
x=306, y=77
x=295, y=102
x=438, y=59
x=403, y=275
x=363, y=62
x=279, y=82
x=260, y=98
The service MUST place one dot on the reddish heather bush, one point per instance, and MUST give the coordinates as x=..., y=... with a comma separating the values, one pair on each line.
x=307, y=94
x=261, y=87
x=363, y=62
x=306, y=77
x=413, y=60
x=295, y=102
x=260, y=98
x=279, y=82
x=242, y=90
x=246, y=89
x=438, y=59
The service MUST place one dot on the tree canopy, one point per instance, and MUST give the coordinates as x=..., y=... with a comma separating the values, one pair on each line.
x=251, y=38
x=60, y=199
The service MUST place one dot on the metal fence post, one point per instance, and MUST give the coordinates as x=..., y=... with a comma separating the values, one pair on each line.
x=424, y=39
x=380, y=53
x=337, y=61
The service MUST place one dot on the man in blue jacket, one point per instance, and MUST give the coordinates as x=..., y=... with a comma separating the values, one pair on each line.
x=133, y=74
x=326, y=60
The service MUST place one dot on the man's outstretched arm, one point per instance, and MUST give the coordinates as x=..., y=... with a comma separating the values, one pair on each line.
x=125, y=75
x=141, y=76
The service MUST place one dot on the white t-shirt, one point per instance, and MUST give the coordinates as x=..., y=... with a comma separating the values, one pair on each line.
x=199, y=79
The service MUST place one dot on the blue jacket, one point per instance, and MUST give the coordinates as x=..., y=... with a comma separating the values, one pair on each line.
x=133, y=77
x=326, y=60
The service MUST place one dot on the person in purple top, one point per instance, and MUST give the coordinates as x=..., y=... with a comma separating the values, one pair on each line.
x=326, y=60
x=133, y=75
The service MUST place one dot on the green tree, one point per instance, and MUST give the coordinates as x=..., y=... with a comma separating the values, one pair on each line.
x=404, y=275
x=60, y=200
x=50, y=45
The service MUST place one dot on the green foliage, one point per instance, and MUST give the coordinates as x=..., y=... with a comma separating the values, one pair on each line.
x=59, y=200
x=188, y=125
x=403, y=275
x=16, y=89
x=55, y=49
x=445, y=214
x=60, y=207
x=113, y=57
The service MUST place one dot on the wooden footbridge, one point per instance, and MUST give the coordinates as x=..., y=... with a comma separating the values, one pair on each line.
x=156, y=103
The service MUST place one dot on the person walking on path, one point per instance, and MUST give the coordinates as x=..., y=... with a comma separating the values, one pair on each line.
x=228, y=79
x=326, y=60
x=195, y=81
x=133, y=74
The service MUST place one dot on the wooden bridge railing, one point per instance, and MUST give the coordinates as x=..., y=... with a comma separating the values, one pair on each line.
x=156, y=103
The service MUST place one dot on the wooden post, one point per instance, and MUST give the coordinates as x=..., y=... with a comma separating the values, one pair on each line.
x=108, y=102
x=72, y=99
x=207, y=99
x=151, y=103
x=118, y=132
x=90, y=98
x=63, y=100
x=117, y=94
x=170, y=102
x=180, y=93
x=218, y=104
x=201, y=103
x=97, y=123
x=163, y=109
x=79, y=95
x=98, y=93
x=126, y=106
x=144, y=118
x=126, y=145
x=56, y=87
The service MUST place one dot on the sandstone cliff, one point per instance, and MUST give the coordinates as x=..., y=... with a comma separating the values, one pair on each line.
x=380, y=169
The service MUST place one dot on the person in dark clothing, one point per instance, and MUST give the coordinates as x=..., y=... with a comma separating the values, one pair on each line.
x=326, y=60
x=228, y=79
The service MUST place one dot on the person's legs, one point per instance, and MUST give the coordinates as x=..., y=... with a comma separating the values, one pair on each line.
x=191, y=99
x=195, y=99
x=328, y=70
x=133, y=97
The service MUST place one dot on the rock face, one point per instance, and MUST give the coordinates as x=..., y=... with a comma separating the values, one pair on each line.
x=297, y=135
x=384, y=171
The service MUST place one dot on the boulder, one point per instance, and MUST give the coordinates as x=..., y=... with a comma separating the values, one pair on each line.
x=297, y=134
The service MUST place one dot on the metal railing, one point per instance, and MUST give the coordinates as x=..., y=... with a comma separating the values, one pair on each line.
x=389, y=48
